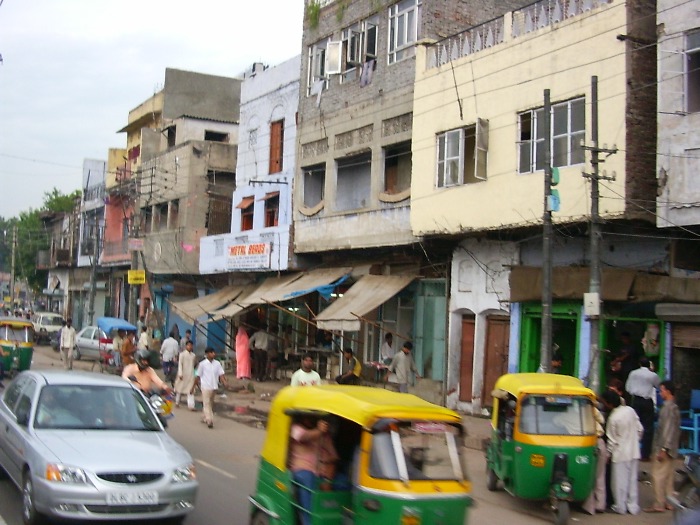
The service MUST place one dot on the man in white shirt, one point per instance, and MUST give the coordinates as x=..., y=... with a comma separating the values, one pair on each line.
x=387, y=350
x=67, y=344
x=641, y=386
x=624, y=431
x=209, y=374
x=306, y=375
x=169, y=351
x=259, y=343
x=143, y=339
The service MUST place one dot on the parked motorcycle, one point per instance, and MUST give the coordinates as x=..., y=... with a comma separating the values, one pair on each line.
x=687, y=504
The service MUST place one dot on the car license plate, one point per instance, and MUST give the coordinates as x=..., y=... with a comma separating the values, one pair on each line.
x=149, y=497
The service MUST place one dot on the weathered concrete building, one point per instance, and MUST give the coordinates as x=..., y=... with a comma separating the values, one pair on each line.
x=478, y=158
x=678, y=164
x=179, y=176
x=354, y=181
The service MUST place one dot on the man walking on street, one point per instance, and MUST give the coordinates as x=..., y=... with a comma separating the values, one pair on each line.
x=641, y=386
x=169, y=351
x=403, y=366
x=209, y=374
x=666, y=438
x=67, y=344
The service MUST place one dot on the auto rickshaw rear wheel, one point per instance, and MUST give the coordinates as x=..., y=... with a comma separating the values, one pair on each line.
x=561, y=512
x=491, y=479
x=260, y=518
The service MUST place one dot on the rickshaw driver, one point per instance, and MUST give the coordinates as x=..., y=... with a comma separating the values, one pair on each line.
x=142, y=375
x=312, y=458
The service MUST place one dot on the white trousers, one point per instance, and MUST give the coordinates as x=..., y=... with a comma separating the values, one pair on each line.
x=624, y=486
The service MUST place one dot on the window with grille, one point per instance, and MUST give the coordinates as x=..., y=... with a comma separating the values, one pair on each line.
x=692, y=75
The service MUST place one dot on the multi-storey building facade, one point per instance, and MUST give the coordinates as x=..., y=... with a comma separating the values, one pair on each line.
x=177, y=179
x=354, y=180
x=479, y=156
x=678, y=162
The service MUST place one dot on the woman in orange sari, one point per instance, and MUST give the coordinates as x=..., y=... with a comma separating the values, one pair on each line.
x=242, y=354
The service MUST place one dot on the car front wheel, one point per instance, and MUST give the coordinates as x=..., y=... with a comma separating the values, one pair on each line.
x=30, y=516
x=76, y=354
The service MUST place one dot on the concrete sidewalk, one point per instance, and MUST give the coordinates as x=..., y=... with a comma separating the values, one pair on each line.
x=249, y=402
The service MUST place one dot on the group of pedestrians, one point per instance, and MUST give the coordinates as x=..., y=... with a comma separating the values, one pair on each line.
x=629, y=433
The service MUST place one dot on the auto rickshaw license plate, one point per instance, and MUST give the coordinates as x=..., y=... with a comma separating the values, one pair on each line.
x=537, y=460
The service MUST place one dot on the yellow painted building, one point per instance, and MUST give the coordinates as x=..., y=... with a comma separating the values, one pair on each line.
x=477, y=155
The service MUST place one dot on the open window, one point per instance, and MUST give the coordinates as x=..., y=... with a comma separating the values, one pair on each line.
x=215, y=136
x=170, y=133
x=354, y=179
x=174, y=214
x=462, y=155
x=272, y=208
x=246, y=206
x=314, y=182
x=397, y=167
x=317, y=75
x=359, y=43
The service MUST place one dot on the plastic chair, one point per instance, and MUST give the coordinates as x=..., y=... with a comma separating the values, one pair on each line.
x=690, y=423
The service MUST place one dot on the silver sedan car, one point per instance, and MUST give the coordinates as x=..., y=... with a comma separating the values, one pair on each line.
x=90, y=446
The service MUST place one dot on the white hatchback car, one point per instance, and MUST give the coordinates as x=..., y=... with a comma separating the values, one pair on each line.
x=46, y=325
x=67, y=443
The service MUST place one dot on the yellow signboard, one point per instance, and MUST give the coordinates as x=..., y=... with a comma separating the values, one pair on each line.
x=136, y=277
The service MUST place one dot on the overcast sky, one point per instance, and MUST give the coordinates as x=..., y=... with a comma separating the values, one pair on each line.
x=72, y=70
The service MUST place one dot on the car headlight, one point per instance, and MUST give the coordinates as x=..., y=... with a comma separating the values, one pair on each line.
x=65, y=473
x=186, y=473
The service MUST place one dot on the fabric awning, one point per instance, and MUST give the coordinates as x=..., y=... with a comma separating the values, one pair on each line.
x=275, y=289
x=569, y=283
x=245, y=203
x=365, y=295
x=195, y=308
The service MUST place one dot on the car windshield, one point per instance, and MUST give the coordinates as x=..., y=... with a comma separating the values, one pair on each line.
x=52, y=321
x=93, y=407
x=416, y=450
x=557, y=415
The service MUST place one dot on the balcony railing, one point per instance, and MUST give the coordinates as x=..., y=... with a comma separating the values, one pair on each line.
x=522, y=21
x=115, y=248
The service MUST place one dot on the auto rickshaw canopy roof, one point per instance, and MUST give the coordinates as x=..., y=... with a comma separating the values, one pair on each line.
x=16, y=322
x=536, y=383
x=362, y=405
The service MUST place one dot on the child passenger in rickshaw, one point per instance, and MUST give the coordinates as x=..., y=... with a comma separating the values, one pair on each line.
x=314, y=461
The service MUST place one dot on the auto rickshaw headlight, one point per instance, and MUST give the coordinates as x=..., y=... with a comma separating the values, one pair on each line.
x=565, y=486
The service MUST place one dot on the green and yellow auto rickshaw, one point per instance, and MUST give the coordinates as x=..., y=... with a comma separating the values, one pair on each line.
x=543, y=442
x=17, y=343
x=400, y=454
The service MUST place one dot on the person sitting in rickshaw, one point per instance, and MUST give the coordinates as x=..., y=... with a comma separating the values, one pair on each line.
x=312, y=461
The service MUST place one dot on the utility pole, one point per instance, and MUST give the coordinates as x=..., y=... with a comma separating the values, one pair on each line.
x=592, y=300
x=546, y=337
x=93, y=274
x=135, y=227
x=12, y=270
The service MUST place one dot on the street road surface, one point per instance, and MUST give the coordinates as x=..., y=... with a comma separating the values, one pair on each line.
x=227, y=458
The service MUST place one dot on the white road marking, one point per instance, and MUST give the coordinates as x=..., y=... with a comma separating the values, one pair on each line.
x=212, y=467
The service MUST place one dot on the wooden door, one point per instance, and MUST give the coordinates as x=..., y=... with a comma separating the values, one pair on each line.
x=495, y=354
x=466, y=361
